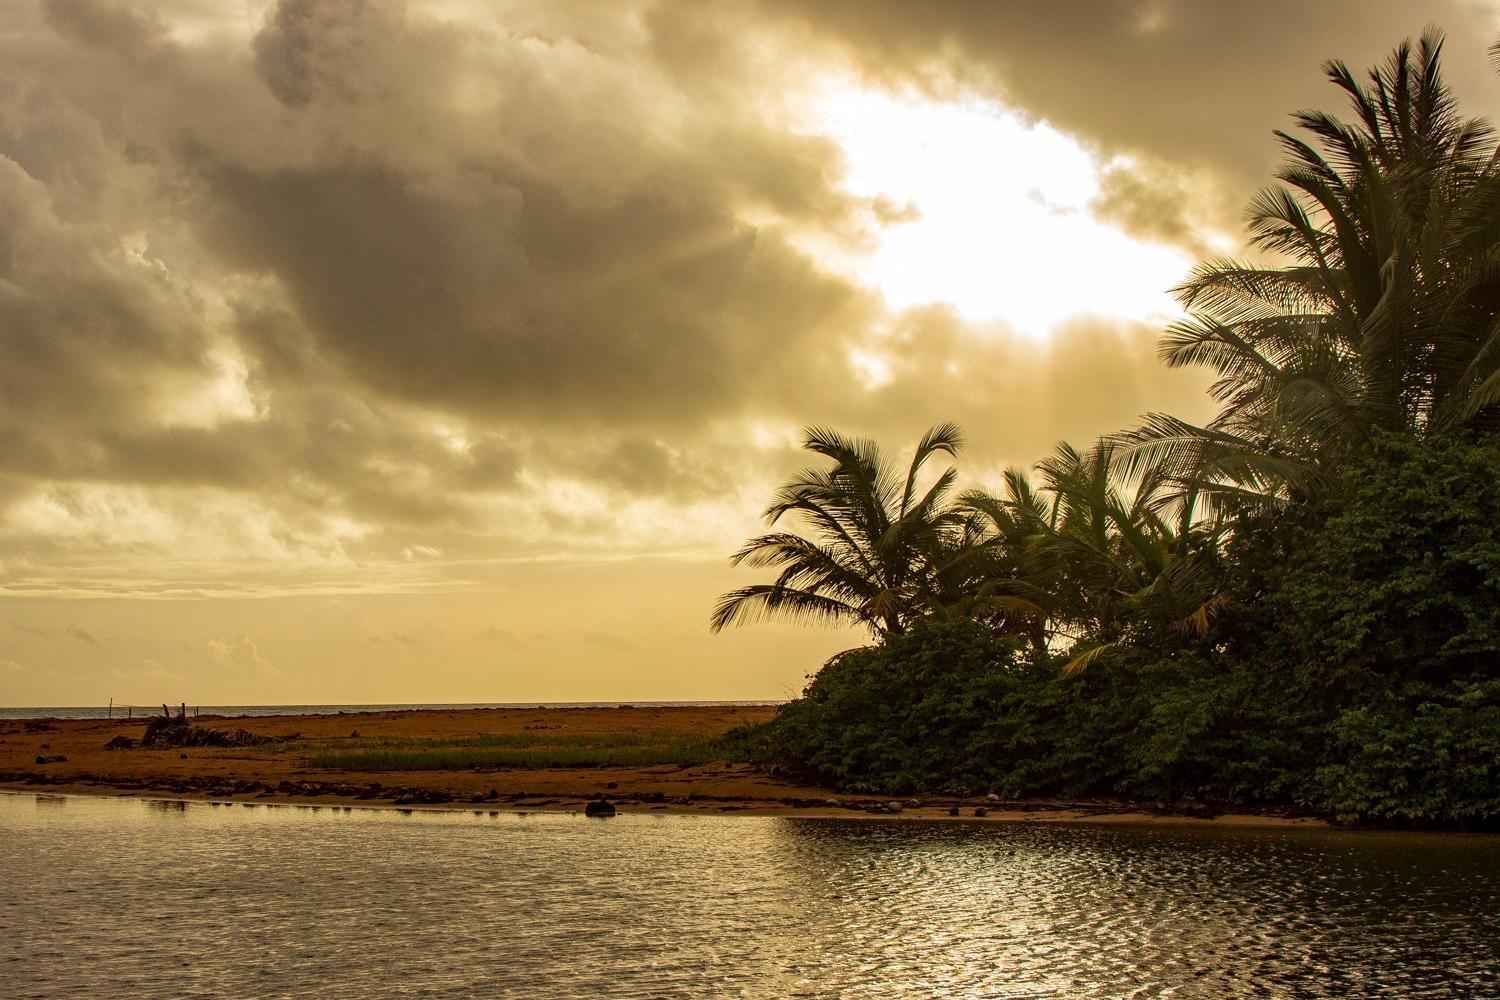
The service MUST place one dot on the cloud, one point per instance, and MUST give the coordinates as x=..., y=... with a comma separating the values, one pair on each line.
x=342, y=296
x=74, y=632
x=398, y=638
x=239, y=653
x=149, y=671
x=611, y=642
x=66, y=632
x=1156, y=203
x=360, y=273
x=554, y=246
x=493, y=635
x=421, y=637
x=1193, y=88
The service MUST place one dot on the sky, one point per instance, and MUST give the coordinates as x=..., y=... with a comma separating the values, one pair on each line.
x=361, y=351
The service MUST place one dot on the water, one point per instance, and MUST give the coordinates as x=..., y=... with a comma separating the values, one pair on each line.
x=126, y=897
x=247, y=711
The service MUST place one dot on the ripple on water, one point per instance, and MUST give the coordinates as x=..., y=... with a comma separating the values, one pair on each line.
x=124, y=897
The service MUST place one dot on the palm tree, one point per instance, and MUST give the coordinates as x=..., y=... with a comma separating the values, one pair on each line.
x=1385, y=314
x=882, y=551
x=1107, y=552
x=991, y=577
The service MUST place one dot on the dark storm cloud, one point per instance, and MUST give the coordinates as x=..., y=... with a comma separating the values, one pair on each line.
x=386, y=222
x=1185, y=84
x=86, y=328
x=550, y=250
x=126, y=30
x=496, y=299
x=472, y=220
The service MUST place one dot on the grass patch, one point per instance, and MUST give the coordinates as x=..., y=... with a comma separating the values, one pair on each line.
x=534, y=751
x=526, y=741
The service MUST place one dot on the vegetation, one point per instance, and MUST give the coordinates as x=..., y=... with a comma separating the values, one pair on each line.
x=1381, y=313
x=880, y=555
x=631, y=749
x=1297, y=603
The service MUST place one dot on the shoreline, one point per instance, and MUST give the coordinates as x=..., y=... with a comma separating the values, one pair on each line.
x=284, y=773
x=853, y=810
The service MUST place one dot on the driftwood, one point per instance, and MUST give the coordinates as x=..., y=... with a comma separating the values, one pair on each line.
x=175, y=731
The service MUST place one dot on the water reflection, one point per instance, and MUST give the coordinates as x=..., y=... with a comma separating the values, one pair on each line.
x=269, y=902
x=1111, y=910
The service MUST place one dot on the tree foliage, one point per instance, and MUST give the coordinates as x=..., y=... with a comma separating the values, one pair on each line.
x=1378, y=306
x=881, y=544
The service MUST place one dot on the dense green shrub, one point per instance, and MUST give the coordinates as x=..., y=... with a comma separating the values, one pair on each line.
x=948, y=707
x=1403, y=576
x=1355, y=673
x=1418, y=756
x=1389, y=616
x=902, y=716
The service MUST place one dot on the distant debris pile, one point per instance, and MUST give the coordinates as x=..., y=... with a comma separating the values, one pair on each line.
x=175, y=731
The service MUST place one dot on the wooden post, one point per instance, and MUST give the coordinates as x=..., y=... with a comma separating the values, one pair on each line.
x=111, y=708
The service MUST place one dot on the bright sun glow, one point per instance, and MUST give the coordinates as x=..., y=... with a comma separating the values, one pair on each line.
x=1000, y=220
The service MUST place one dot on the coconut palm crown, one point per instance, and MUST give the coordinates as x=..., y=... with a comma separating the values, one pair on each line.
x=879, y=543
x=1380, y=309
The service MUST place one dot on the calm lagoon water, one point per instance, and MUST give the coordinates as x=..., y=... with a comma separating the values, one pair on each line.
x=123, y=897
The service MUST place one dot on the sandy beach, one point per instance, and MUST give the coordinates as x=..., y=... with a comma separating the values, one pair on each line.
x=286, y=772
